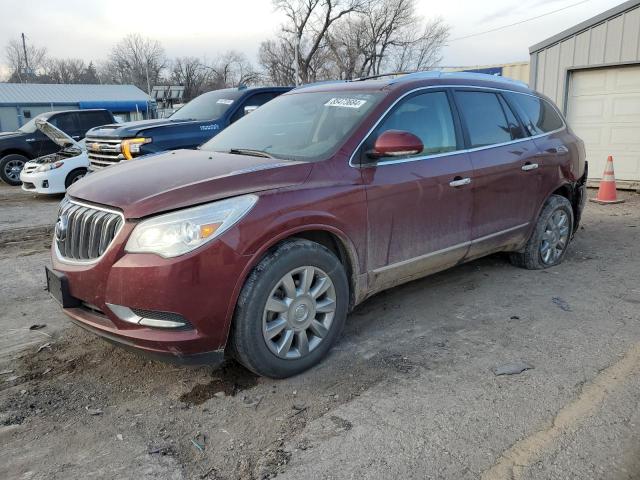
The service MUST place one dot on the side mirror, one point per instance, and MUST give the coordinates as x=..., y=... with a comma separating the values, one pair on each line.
x=249, y=108
x=395, y=143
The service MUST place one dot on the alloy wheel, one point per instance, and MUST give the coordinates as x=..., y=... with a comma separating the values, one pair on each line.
x=12, y=169
x=555, y=237
x=299, y=312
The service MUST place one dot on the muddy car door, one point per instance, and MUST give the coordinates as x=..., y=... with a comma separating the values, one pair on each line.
x=419, y=204
x=507, y=181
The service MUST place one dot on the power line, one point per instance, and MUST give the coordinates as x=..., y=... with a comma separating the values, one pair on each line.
x=520, y=22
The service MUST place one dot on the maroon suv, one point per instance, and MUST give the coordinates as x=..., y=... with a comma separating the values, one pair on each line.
x=261, y=241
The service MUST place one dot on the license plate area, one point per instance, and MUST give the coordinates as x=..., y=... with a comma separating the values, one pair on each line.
x=58, y=288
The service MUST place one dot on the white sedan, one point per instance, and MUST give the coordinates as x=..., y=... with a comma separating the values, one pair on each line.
x=56, y=172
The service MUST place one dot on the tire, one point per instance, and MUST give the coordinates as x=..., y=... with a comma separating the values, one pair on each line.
x=74, y=176
x=10, y=168
x=548, y=243
x=250, y=341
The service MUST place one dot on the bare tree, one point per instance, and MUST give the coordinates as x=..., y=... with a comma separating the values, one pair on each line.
x=350, y=38
x=387, y=36
x=192, y=74
x=421, y=50
x=308, y=22
x=15, y=56
x=276, y=58
x=65, y=70
x=137, y=60
x=232, y=69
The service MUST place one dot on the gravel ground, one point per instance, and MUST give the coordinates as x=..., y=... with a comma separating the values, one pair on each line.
x=408, y=392
x=14, y=202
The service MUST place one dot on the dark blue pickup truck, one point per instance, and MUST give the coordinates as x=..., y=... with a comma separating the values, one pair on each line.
x=192, y=125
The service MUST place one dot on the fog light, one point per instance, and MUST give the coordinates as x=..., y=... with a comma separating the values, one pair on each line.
x=45, y=184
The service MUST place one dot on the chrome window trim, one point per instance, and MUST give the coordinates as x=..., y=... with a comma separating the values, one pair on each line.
x=97, y=259
x=448, y=249
x=455, y=152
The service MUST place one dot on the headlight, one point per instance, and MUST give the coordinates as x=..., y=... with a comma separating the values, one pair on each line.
x=180, y=232
x=45, y=167
x=131, y=146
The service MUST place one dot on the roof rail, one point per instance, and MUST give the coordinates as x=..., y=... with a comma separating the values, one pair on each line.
x=313, y=84
x=459, y=74
x=379, y=75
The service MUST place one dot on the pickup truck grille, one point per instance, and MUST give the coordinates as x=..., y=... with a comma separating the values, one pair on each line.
x=103, y=152
x=84, y=233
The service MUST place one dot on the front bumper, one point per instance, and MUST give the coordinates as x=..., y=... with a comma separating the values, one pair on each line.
x=212, y=358
x=201, y=287
x=43, y=182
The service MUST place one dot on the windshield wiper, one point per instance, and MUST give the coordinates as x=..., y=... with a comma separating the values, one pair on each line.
x=248, y=151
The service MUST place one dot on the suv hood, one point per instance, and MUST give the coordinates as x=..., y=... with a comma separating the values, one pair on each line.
x=55, y=134
x=184, y=178
x=131, y=129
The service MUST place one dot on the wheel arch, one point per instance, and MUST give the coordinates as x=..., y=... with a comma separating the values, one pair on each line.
x=15, y=151
x=66, y=178
x=328, y=236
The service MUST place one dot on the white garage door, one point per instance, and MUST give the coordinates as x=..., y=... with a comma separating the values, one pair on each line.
x=604, y=110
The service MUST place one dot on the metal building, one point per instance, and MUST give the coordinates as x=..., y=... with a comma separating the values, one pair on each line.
x=19, y=102
x=592, y=72
x=516, y=70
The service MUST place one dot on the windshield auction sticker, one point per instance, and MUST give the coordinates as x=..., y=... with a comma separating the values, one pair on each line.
x=345, y=102
x=225, y=101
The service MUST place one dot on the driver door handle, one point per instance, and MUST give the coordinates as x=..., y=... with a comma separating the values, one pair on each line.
x=459, y=182
x=529, y=166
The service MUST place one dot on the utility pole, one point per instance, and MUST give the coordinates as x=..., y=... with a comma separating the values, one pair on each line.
x=26, y=59
x=297, y=64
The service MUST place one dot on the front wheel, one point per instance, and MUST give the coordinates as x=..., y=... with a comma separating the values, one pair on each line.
x=74, y=176
x=10, y=168
x=548, y=243
x=291, y=310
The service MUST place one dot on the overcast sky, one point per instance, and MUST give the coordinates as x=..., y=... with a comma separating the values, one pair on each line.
x=87, y=29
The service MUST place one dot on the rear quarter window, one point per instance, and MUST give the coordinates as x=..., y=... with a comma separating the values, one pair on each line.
x=538, y=115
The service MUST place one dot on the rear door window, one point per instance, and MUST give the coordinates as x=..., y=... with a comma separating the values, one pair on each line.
x=538, y=115
x=89, y=120
x=426, y=115
x=485, y=118
x=67, y=122
x=256, y=100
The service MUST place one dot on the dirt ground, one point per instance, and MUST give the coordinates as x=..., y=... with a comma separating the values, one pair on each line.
x=409, y=391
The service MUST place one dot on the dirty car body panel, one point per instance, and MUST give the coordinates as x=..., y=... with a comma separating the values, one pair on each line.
x=389, y=220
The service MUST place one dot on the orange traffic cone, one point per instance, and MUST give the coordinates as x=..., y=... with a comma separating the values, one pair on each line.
x=607, y=190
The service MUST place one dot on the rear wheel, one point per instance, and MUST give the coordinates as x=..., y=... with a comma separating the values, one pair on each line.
x=10, y=168
x=74, y=176
x=291, y=310
x=548, y=243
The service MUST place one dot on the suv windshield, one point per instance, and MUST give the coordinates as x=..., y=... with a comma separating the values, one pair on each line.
x=305, y=126
x=30, y=126
x=208, y=106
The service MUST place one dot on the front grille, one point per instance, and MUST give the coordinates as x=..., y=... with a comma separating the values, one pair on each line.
x=30, y=167
x=103, y=152
x=83, y=232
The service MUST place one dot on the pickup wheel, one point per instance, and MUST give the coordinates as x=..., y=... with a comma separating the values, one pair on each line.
x=10, y=168
x=291, y=310
x=548, y=243
x=74, y=176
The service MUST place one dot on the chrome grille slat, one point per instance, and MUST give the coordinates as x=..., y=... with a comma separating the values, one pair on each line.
x=104, y=237
x=107, y=152
x=93, y=234
x=89, y=231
